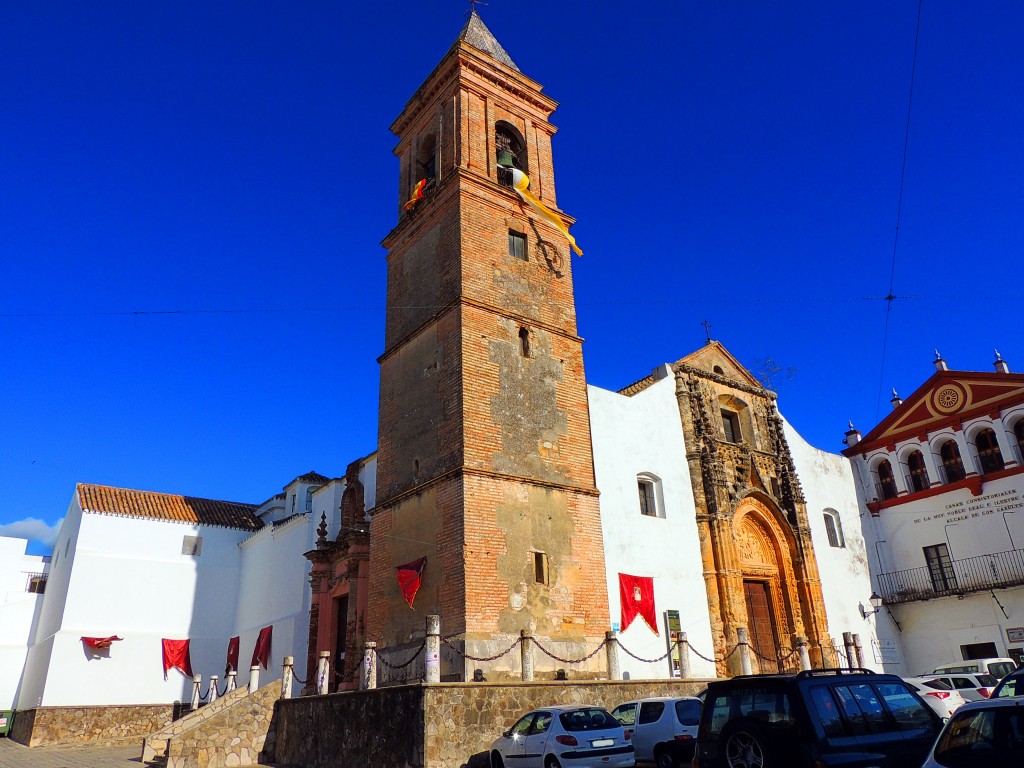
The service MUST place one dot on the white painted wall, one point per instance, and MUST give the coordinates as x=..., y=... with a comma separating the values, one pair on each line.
x=18, y=610
x=643, y=434
x=828, y=483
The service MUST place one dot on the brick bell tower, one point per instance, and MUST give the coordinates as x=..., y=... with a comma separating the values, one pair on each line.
x=485, y=464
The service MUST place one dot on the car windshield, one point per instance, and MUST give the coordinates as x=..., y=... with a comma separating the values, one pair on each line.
x=992, y=736
x=1011, y=686
x=588, y=720
x=986, y=681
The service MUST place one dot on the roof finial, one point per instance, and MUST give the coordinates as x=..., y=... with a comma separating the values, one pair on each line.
x=707, y=330
x=940, y=364
x=473, y=4
x=1000, y=364
x=998, y=356
x=896, y=401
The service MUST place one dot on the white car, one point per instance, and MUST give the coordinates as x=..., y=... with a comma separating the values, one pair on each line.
x=664, y=728
x=998, y=666
x=937, y=694
x=973, y=687
x=981, y=734
x=564, y=737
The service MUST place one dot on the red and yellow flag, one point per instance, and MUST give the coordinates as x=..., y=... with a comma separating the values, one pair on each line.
x=417, y=194
x=521, y=183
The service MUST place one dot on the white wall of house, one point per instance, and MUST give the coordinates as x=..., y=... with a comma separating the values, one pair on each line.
x=643, y=435
x=828, y=484
x=18, y=611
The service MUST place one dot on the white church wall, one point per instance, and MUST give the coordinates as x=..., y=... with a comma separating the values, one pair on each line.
x=642, y=435
x=274, y=591
x=130, y=578
x=18, y=608
x=828, y=482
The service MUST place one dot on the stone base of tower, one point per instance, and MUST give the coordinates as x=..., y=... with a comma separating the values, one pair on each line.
x=503, y=556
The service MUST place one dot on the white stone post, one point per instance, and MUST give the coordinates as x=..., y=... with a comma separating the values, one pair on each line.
x=432, y=660
x=232, y=682
x=850, y=655
x=213, y=688
x=611, y=649
x=858, y=650
x=286, y=677
x=369, y=675
x=526, y=654
x=197, y=683
x=805, y=657
x=323, y=671
x=254, y=678
x=684, y=656
x=746, y=667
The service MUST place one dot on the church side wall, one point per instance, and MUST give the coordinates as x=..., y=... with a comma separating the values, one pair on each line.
x=643, y=435
x=18, y=609
x=828, y=483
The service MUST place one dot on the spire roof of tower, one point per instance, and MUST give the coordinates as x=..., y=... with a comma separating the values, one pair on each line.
x=476, y=33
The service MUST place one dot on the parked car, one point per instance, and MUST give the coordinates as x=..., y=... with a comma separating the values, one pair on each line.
x=999, y=667
x=937, y=694
x=663, y=729
x=982, y=734
x=854, y=718
x=1011, y=685
x=553, y=737
x=973, y=687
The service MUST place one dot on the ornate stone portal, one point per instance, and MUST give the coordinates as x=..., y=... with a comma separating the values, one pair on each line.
x=759, y=565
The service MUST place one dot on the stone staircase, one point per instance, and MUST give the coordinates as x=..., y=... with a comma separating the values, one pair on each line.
x=231, y=731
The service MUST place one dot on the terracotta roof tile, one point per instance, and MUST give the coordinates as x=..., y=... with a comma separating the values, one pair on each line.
x=105, y=500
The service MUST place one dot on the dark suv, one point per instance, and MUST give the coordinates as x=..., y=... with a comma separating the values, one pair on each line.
x=850, y=717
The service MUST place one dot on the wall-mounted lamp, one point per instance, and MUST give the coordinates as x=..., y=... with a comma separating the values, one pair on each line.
x=876, y=605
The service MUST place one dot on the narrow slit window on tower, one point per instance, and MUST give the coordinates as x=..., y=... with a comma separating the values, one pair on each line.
x=524, y=341
x=517, y=244
x=540, y=568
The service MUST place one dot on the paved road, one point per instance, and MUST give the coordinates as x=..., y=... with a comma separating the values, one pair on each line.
x=14, y=755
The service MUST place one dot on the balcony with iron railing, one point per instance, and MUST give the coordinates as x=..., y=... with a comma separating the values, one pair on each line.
x=955, y=577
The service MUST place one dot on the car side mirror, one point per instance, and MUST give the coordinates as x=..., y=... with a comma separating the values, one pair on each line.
x=507, y=734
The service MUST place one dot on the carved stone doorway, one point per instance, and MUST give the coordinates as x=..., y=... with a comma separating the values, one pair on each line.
x=762, y=629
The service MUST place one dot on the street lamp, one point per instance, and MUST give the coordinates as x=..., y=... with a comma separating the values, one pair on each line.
x=876, y=605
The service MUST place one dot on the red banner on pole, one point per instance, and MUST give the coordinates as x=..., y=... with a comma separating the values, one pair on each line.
x=232, y=662
x=636, y=597
x=261, y=653
x=410, y=576
x=176, y=656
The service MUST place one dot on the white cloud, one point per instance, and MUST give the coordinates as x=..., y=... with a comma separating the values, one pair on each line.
x=33, y=529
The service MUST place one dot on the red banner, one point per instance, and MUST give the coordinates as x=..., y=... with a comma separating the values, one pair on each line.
x=410, y=576
x=176, y=656
x=261, y=653
x=232, y=662
x=100, y=642
x=636, y=597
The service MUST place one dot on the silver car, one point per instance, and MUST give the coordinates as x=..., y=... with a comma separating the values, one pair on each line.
x=664, y=728
x=982, y=734
x=564, y=737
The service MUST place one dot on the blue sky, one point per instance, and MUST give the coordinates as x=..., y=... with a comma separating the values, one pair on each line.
x=230, y=164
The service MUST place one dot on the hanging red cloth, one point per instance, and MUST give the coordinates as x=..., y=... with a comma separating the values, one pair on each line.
x=410, y=576
x=232, y=662
x=176, y=656
x=636, y=597
x=261, y=653
x=100, y=642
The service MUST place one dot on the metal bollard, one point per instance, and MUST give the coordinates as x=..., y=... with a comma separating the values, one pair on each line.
x=369, y=675
x=254, y=678
x=287, y=674
x=805, y=657
x=213, y=688
x=526, y=654
x=323, y=671
x=685, y=671
x=432, y=657
x=742, y=638
x=197, y=683
x=850, y=655
x=611, y=649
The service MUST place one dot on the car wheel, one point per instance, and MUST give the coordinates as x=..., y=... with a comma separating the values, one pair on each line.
x=745, y=744
x=496, y=760
x=552, y=762
x=663, y=758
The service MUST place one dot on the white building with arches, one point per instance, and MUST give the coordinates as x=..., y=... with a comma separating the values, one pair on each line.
x=941, y=480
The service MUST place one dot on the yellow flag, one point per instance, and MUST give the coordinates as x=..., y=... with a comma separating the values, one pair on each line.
x=520, y=182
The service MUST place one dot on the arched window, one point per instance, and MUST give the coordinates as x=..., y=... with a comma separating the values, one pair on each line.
x=426, y=159
x=524, y=341
x=510, y=150
x=989, y=456
x=834, y=528
x=952, y=464
x=649, y=488
x=886, y=481
x=918, y=471
x=1018, y=432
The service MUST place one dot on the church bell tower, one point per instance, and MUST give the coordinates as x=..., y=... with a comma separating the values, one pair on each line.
x=485, y=465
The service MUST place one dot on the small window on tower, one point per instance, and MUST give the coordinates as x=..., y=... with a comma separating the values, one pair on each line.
x=540, y=568
x=517, y=244
x=524, y=341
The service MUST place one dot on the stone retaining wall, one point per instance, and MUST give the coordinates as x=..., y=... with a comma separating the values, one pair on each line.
x=447, y=725
x=113, y=725
x=155, y=744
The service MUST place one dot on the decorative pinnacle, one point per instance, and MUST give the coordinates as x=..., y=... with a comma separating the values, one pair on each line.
x=852, y=428
x=937, y=355
x=321, y=531
x=998, y=356
x=895, y=394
